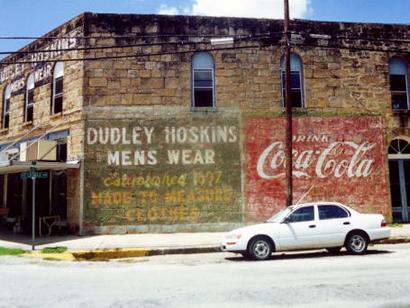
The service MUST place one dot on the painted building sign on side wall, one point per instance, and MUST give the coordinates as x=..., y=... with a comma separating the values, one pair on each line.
x=334, y=159
x=162, y=171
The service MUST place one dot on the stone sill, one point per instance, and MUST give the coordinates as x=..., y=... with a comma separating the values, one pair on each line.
x=203, y=109
x=28, y=124
x=4, y=131
x=400, y=111
x=56, y=115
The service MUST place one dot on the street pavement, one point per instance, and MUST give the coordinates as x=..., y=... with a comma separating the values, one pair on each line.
x=304, y=279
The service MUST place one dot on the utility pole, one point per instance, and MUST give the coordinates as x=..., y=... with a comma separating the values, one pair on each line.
x=288, y=104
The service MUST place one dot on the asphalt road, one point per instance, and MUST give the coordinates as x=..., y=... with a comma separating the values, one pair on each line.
x=313, y=279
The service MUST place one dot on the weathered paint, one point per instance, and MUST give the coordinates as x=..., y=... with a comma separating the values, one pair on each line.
x=335, y=159
x=162, y=171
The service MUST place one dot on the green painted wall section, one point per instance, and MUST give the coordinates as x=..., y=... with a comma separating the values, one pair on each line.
x=162, y=170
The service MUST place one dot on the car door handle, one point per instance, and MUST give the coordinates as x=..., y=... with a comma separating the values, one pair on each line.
x=312, y=226
x=346, y=223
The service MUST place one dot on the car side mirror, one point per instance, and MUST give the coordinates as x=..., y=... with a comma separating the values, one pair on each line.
x=286, y=220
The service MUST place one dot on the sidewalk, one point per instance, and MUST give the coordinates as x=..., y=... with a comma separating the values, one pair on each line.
x=132, y=245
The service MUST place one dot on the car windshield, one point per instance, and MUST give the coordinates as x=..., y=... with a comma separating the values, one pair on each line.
x=278, y=217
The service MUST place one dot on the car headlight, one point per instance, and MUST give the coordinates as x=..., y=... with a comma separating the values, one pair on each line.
x=233, y=236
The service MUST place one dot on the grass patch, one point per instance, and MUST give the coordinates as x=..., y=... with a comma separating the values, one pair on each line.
x=395, y=225
x=11, y=251
x=57, y=249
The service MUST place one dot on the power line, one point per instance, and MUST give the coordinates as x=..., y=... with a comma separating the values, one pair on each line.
x=182, y=42
x=130, y=56
x=136, y=36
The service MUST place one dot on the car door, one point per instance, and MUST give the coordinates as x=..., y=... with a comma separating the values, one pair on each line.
x=299, y=231
x=333, y=224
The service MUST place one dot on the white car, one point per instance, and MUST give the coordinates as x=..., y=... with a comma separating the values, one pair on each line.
x=317, y=225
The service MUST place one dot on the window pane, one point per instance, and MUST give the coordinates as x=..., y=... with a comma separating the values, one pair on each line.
x=399, y=100
x=6, y=121
x=7, y=105
x=29, y=115
x=331, y=211
x=398, y=83
x=295, y=80
x=395, y=183
x=58, y=104
x=203, y=98
x=296, y=98
x=203, y=78
x=59, y=86
x=30, y=97
x=303, y=214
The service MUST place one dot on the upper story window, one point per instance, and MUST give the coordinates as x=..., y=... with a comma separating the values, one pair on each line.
x=6, y=107
x=57, y=95
x=296, y=80
x=29, y=101
x=398, y=84
x=203, y=80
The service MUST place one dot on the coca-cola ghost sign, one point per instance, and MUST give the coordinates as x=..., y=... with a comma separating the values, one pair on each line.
x=335, y=159
x=272, y=160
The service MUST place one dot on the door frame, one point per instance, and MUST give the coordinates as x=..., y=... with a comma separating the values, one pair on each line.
x=405, y=195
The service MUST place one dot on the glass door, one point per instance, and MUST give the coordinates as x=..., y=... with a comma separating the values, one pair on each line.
x=400, y=189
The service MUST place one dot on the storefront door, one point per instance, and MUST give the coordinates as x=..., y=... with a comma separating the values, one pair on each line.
x=399, y=170
x=400, y=189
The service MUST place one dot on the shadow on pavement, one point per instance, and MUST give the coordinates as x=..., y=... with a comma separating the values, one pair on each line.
x=44, y=240
x=310, y=254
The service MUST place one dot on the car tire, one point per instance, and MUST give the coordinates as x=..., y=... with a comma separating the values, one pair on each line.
x=356, y=243
x=333, y=250
x=260, y=248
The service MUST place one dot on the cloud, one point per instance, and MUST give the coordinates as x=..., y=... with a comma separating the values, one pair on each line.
x=168, y=10
x=251, y=8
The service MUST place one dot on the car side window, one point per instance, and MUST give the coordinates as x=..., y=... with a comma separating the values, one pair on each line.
x=331, y=212
x=303, y=214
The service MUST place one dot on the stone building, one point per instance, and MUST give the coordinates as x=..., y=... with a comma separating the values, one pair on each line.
x=148, y=123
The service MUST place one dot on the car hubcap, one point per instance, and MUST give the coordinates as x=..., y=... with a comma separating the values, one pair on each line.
x=357, y=243
x=261, y=249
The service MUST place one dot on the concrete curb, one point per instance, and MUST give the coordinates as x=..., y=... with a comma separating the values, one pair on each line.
x=107, y=254
x=395, y=240
x=140, y=252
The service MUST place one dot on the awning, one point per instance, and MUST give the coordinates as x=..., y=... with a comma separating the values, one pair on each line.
x=22, y=166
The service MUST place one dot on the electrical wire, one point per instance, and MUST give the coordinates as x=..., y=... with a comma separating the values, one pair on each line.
x=116, y=46
x=130, y=56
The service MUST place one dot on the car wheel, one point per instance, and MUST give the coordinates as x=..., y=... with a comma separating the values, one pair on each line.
x=334, y=250
x=357, y=243
x=260, y=248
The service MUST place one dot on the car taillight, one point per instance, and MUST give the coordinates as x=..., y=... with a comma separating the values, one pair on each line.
x=383, y=223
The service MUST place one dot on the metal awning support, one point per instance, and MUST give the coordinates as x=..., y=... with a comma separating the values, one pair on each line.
x=18, y=166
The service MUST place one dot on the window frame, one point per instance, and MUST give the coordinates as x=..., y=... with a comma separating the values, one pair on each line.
x=58, y=75
x=6, y=108
x=30, y=85
x=204, y=69
x=404, y=66
x=295, y=67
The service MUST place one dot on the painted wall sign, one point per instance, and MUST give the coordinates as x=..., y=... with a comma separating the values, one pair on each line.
x=162, y=171
x=334, y=159
x=16, y=73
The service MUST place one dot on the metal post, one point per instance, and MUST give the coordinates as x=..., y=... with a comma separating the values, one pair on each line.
x=288, y=103
x=33, y=227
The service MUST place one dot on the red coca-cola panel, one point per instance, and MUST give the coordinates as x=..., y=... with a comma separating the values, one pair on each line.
x=334, y=159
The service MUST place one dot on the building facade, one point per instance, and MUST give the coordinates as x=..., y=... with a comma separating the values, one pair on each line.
x=158, y=127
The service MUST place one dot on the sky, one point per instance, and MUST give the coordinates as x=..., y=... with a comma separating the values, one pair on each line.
x=36, y=17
